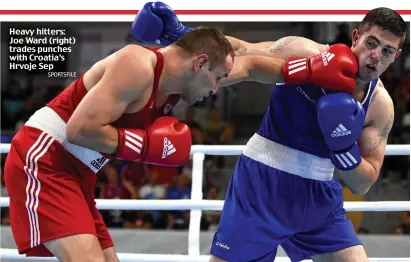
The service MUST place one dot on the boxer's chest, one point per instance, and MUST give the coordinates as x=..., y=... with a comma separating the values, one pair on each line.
x=311, y=93
x=146, y=114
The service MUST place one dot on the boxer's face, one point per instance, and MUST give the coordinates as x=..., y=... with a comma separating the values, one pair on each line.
x=375, y=49
x=206, y=79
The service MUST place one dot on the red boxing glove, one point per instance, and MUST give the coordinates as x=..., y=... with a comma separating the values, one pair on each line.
x=165, y=142
x=334, y=70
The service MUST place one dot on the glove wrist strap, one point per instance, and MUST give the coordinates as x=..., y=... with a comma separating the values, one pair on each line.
x=131, y=144
x=296, y=70
x=347, y=159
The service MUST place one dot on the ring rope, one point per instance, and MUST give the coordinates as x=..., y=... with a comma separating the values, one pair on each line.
x=221, y=150
x=12, y=254
x=217, y=205
x=196, y=204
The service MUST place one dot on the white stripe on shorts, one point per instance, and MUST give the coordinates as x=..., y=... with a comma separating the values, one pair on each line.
x=39, y=148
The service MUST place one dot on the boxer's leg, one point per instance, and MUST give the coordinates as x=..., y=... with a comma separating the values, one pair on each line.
x=100, y=245
x=216, y=259
x=249, y=228
x=81, y=248
x=110, y=254
x=332, y=243
x=106, y=243
x=47, y=204
x=328, y=235
x=350, y=254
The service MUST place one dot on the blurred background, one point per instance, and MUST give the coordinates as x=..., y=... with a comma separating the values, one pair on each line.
x=228, y=118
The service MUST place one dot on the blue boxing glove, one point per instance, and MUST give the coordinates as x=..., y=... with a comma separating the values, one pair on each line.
x=158, y=23
x=341, y=120
x=147, y=26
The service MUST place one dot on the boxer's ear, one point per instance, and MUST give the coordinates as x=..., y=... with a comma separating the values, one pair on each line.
x=201, y=62
x=397, y=54
x=355, y=37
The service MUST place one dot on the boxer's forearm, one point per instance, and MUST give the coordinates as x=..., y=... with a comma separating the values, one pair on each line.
x=360, y=179
x=245, y=48
x=289, y=46
x=266, y=70
x=102, y=139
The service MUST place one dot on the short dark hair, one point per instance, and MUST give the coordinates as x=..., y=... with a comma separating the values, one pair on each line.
x=387, y=19
x=206, y=40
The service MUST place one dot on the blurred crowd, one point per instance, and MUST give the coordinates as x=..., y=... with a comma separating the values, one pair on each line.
x=125, y=180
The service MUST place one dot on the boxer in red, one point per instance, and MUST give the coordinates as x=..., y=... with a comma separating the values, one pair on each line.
x=114, y=110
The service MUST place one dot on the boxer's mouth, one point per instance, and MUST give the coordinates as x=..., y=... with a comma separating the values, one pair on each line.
x=372, y=67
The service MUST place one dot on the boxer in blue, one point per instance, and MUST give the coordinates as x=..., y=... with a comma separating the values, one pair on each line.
x=282, y=191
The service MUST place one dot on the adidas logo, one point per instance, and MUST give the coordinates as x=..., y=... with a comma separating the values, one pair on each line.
x=327, y=56
x=98, y=163
x=340, y=131
x=133, y=141
x=346, y=159
x=297, y=65
x=168, y=148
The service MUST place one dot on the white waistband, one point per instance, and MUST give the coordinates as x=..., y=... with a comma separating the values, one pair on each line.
x=288, y=159
x=47, y=120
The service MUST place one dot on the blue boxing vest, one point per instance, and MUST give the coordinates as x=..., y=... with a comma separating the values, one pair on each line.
x=291, y=118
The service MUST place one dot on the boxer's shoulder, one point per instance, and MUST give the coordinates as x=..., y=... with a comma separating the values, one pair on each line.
x=127, y=73
x=137, y=57
x=381, y=104
x=133, y=66
x=380, y=94
x=139, y=51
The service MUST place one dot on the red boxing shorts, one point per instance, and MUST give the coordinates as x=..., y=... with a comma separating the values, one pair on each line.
x=51, y=193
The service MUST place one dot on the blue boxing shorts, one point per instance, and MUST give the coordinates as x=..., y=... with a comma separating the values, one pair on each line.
x=281, y=196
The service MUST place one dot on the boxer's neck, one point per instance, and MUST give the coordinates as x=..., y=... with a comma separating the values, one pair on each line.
x=175, y=67
x=360, y=90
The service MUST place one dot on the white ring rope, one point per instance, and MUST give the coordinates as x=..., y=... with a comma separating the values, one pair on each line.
x=217, y=205
x=220, y=150
x=196, y=204
x=12, y=254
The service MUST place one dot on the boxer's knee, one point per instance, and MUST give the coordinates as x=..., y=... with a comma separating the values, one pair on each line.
x=81, y=248
x=110, y=254
x=216, y=259
x=350, y=254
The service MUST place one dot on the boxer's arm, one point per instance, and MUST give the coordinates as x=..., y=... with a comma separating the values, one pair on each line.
x=167, y=28
x=124, y=79
x=282, y=48
x=262, y=62
x=263, y=69
x=242, y=47
x=372, y=144
x=338, y=75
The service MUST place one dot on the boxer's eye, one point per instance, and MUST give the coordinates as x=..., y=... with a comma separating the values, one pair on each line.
x=371, y=44
x=388, y=52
